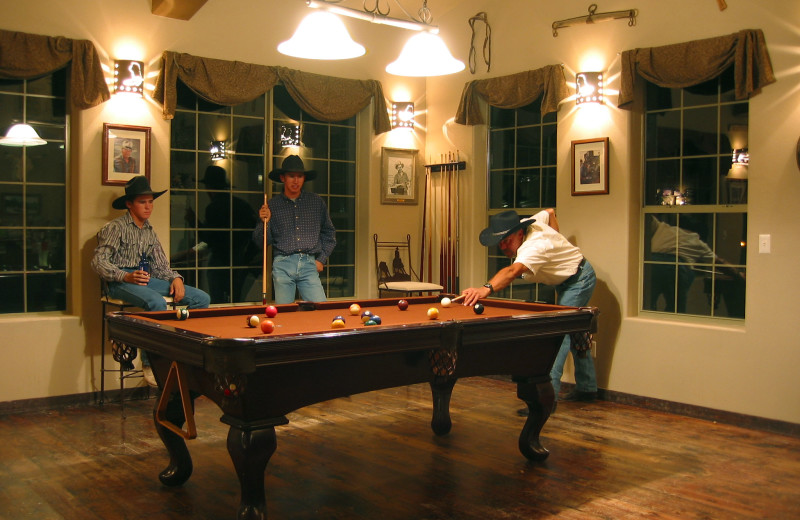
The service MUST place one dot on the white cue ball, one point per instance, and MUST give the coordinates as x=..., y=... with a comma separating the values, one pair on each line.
x=446, y=302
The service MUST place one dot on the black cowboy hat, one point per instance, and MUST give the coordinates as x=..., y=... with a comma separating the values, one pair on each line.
x=138, y=185
x=292, y=164
x=215, y=178
x=502, y=225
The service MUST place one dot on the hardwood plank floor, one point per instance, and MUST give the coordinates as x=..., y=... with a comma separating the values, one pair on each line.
x=373, y=456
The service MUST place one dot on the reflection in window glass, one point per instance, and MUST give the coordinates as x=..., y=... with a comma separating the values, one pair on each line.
x=33, y=254
x=695, y=196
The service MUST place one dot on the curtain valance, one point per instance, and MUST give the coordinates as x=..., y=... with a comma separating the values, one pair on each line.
x=690, y=63
x=513, y=91
x=231, y=82
x=27, y=56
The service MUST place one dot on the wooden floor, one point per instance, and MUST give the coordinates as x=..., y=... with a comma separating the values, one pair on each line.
x=373, y=456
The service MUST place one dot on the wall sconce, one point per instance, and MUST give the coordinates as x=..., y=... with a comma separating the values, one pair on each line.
x=22, y=134
x=290, y=135
x=129, y=77
x=402, y=114
x=588, y=87
x=740, y=159
x=218, y=150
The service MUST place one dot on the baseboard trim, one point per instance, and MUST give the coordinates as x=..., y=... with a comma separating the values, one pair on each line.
x=112, y=397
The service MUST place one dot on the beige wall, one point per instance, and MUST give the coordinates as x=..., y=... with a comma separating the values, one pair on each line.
x=745, y=367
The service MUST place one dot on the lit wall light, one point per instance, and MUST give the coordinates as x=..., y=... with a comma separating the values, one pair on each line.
x=129, y=77
x=218, y=150
x=403, y=114
x=588, y=87
x=22, y=135
x=290, y=135
x=740, y=159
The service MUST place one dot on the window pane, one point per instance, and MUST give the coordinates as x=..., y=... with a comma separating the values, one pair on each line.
x=549, y=187
x=11, y=205
x=182, y=170
x=344, y=252
x=12, y=286
x=501, y=118
x=700, y=180
x=184, y=131
x=501, y=189
x=700, y=131
x=662, y=179
x=248, y=173
x=661, y=98
x=47, y=292
x=343, y=143
x=46, y=249
x=315, y=139
x=46, y=110
x=342, y=178
x=249, y=135
x=343, y=213
x=501, y=149
x=11, y=254
x=529, y=147
x=663, y=134
x=11, y=158
x=528, y=188
x=45, y=206
x=46, y=163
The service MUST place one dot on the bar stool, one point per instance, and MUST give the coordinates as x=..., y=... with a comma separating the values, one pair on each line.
x=121, y=354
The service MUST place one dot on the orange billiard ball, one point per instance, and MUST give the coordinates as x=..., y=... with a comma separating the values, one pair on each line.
x=433, y=313
x=355, y=309
x=337, y=324
x=267, y=326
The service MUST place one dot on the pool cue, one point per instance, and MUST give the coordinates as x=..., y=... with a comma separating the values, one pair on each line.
x=424, y=217
x=457, y=298
x=264, y=262
x=428, y=188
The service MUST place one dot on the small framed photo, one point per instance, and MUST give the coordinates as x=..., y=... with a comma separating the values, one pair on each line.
x=399, y=176
x=590, y=166
x=126, y=153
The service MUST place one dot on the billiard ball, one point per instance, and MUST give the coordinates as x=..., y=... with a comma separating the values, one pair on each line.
x=446, y=302
x=271, y=311
x=355, y=309
x=253, y=321
x=478, y=308
x=402, y=305
x=182, y=314
x=366, y=316
x=433, y=313
x=267, y=326
x=370, y=322
x=339, y=317
x=337, y=324
x=376, y=319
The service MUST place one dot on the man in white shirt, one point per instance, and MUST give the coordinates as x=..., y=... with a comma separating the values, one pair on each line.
x=543, y=255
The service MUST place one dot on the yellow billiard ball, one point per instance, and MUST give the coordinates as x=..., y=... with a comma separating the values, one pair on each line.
x=433, y=313
x=253, y=321
x=337, y=324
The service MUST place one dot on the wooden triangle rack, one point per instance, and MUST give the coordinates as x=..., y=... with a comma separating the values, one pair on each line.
x=176, y=376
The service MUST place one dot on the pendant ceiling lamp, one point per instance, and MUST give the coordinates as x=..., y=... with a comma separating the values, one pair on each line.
x=425, y=54
x=321, y=36
x=22, y=135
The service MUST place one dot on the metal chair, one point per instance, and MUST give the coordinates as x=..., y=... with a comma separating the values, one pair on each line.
x=400, y=277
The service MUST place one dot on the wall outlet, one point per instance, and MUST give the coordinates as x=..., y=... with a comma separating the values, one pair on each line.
x=764, y=243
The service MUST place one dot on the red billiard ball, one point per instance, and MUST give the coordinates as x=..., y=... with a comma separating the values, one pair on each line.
x=478, y=308
x=402, y=305
x=267, y=326
x=271, y=311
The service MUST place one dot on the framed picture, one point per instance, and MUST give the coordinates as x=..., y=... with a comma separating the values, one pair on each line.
x=399, y=176
x=126, y=153
x=590, y=166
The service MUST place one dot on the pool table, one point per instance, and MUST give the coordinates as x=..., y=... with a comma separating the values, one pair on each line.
x=257, y=379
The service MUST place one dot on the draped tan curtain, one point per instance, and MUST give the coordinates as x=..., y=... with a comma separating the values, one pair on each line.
x=513, y=91
x=231, y=82
x=24, y=56
x=691, y=63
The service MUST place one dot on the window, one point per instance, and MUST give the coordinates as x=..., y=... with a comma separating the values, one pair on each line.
x=522, y=177
x=214, y=203
x=33, y=216
x=695, y=200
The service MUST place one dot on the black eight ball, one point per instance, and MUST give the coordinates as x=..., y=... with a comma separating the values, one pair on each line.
x=478, y=308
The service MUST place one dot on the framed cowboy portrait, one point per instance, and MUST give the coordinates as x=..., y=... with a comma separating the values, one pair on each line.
x=590, y=166
x=399, y=176
x=126, y=153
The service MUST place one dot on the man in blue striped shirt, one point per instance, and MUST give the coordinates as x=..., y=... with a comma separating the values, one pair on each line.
x=300, y=231
x=121, y=246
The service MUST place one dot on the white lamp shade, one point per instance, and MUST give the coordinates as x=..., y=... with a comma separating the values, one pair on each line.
x=22, y=135
x=321, y=36
x=425, y=54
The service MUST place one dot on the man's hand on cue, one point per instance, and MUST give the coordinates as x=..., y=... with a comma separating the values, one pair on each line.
x=264, y=213
x=473, y=294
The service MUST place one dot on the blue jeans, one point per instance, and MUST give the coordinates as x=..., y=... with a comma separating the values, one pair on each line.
x=150, y=297
x=576, y=292
x=297, y=272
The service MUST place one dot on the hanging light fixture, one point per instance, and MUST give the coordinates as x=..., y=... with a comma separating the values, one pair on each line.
x=425, y=54
x=321, y=36
x=22, y=135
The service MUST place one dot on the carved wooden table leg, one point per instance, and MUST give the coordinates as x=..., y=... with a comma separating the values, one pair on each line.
x=250, y=452
x=540, y=398
x=180, y=461
x=442, y=389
